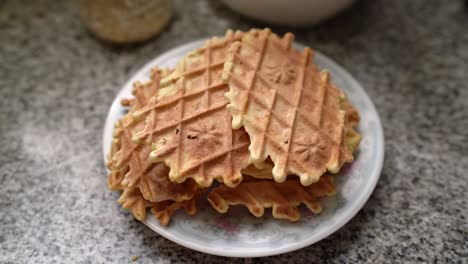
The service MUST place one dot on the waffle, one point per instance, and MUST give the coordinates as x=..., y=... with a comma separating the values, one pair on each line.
x=352, y=137
x=283, y=198
x=132, y=199
x=291, y=111
x=187, y=124
x=144, y=184
x=153, y=179
x=247, y=110
x=142, y=92
x=129, y=164
x=122, y=151
x=163, y=211
x=351, y=140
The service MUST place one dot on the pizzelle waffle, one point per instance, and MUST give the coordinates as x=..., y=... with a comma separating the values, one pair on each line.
x=283, y=197
x=291, y=111
x=133, y=200
x=244, y=120
x=188, y=125
x=144, y=184
x=351, y=140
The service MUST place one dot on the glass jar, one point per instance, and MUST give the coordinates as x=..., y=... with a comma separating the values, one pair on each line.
x=125, y=21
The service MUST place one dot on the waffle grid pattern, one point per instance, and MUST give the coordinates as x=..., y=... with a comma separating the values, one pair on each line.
x=196, y=82
x=290, y=151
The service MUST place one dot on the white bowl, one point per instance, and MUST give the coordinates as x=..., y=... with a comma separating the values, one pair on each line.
x=289, y=12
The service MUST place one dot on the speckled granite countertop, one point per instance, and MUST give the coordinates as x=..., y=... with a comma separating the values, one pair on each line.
x=57, y=83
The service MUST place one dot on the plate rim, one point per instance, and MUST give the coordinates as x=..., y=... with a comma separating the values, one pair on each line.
x=362, y=199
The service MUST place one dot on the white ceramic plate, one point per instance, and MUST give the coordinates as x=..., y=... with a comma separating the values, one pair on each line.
x=237, y=233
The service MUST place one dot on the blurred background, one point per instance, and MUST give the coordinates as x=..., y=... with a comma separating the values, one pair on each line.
x=63, y=62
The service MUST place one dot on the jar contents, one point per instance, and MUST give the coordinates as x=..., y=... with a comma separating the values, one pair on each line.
x=125, y=21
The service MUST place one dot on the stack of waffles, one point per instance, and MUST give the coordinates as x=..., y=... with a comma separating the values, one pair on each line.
x=244, y=120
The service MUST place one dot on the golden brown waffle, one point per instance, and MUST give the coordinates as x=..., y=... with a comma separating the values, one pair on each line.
x=122, y=147
x=163, y=211
x=131, y=160
x=283, y=198
x=115, y=178
x=116, y=174
x=352, y=139
x=132, y=199
x=188, y=125
x=179, y=131
x=144, y=184
x=290, y=110
x=153, y=178
x=142, y=93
